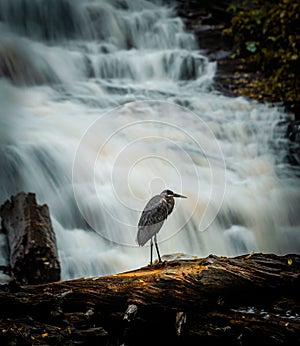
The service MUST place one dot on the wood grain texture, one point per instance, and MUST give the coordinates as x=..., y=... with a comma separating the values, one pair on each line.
x=245, y=299
x=31, y=240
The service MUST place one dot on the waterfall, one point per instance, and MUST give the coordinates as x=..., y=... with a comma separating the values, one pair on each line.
x=104, y=105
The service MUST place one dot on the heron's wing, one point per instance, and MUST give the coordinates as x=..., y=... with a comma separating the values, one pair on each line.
x=154, y=212
x=152, y=219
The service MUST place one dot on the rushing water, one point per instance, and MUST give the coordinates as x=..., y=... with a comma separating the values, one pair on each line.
x=107, y=104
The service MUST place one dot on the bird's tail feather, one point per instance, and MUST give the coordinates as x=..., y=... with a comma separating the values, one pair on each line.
x=142, y=236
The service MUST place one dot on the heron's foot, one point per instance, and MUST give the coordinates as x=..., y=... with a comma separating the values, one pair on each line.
x=157, y=263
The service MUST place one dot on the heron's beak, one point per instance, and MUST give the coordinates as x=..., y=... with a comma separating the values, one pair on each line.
x=180, y=196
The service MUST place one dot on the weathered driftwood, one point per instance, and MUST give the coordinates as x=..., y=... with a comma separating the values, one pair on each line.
x=31, y=240
x=240, y=300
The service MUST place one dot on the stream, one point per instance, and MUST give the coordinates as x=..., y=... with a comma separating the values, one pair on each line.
x=105, y=104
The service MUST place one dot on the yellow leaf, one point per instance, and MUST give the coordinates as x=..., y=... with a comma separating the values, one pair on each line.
x=45, y=335
x=290, y=261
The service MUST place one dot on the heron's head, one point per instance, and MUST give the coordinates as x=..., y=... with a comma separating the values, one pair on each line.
x=169, y=193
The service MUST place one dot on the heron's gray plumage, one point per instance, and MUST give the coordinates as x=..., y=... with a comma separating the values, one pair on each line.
x=152, y=219
x=153, y=216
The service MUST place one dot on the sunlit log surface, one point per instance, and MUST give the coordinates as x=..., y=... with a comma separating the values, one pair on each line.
x=31, y=240
x=241, y=300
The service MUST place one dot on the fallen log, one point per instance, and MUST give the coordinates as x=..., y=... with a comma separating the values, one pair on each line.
x=241, y=300
x=31, y=240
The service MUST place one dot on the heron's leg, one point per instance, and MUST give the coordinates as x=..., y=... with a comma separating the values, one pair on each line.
x=151, y=250
x=155, y=241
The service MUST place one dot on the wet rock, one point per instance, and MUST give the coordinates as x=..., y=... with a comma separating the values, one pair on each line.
x=23, y=67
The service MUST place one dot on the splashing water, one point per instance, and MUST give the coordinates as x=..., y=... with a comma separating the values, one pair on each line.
x=104, y=105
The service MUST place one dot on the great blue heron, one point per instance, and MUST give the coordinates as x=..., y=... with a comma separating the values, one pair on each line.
x=153, y=216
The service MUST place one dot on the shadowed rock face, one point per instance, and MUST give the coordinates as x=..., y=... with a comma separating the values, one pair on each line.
x=208, y=20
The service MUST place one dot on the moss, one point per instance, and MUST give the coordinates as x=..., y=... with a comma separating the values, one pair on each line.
x=266, y=35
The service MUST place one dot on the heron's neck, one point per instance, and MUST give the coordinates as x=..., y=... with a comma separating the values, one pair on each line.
x=170, y=204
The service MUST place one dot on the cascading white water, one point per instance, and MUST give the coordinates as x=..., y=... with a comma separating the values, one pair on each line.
x=112, y=103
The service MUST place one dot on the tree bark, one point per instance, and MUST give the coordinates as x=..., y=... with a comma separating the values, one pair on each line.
x=241, y=300
x=31, y=240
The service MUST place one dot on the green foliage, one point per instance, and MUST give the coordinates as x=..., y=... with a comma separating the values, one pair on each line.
x=267, y=34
